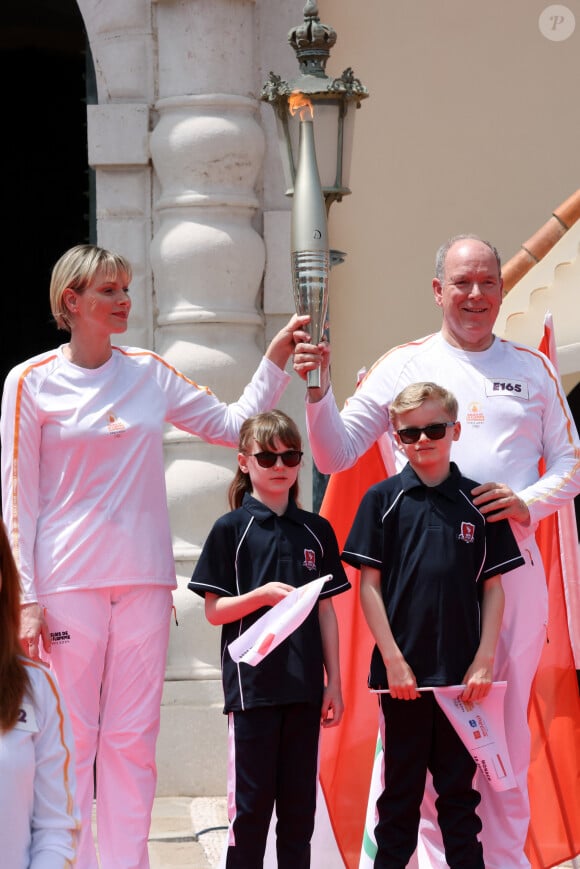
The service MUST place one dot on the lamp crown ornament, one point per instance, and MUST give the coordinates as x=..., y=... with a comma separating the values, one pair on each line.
x=312, y=41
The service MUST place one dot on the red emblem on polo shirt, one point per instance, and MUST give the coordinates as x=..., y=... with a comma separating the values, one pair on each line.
x=467, y=532
x=309, y=559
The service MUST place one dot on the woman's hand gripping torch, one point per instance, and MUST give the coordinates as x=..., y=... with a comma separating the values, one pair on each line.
x=309, y=237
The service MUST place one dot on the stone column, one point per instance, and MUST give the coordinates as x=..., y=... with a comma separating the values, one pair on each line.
x=207, y=261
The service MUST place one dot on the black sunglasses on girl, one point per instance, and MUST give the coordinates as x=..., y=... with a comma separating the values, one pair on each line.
x=290, y=458
x=435, y=432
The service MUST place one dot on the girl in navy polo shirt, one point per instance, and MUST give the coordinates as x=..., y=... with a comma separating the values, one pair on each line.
x=253, y=557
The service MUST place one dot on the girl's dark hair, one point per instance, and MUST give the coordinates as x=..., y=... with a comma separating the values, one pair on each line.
x=13, y=676
x=264, y=428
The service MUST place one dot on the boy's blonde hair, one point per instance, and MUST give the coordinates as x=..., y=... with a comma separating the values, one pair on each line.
x=415, y=394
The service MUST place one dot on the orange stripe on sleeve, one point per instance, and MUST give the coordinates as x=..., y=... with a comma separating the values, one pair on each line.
x=14, y=525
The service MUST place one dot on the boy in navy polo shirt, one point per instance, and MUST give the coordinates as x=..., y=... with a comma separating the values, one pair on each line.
x=431, y=593
x=253, y=557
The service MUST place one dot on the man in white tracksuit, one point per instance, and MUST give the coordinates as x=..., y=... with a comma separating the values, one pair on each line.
x=513, y=413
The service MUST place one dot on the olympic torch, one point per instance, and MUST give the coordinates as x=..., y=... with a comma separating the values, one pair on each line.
x=309, y=237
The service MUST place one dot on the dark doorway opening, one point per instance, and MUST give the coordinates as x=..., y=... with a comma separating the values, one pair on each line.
x=46, y=178
x=574, y=402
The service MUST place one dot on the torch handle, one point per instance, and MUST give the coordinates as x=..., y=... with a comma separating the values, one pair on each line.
x=310, y=284
x=313, y=379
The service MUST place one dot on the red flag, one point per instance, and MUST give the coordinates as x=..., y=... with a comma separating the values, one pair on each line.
x=554, y=710
x=347, y=752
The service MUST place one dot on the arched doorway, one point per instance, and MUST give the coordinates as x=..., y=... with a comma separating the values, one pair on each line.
x=46, y=186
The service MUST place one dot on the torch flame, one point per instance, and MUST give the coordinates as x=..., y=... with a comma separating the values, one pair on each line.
x=299, y=102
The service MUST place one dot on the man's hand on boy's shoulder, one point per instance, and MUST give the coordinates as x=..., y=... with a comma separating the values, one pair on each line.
x=497, y=501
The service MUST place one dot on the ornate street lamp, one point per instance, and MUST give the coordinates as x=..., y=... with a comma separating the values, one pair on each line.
x=315, y=121
x=316, y=151
x=333, y=101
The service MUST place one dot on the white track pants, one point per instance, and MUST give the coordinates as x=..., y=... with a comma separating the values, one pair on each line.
x=109, y=653
x=505, y=815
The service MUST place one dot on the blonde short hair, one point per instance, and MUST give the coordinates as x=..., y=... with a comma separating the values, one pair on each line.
x=415, y=394
x=76, y=269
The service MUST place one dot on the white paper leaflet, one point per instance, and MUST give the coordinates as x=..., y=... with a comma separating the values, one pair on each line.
x=276, y=624
x=480, y=726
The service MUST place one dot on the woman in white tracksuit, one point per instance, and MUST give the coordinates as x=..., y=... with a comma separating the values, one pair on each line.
x=85, y=505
